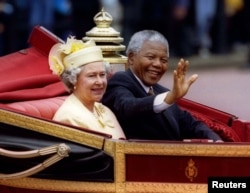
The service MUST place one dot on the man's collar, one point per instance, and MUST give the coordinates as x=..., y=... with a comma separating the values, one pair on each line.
x=146, y=88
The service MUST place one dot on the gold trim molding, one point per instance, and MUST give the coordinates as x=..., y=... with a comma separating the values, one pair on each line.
x=92, y=187
x=50, y=128
x=60, y=185
x=189, y=149
x=165, y=188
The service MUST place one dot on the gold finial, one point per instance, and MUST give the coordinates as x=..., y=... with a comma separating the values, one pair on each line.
x=107, y=38
x=103, y=27
x=103, y=19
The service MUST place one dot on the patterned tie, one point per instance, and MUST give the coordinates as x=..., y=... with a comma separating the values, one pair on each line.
x=151, y=91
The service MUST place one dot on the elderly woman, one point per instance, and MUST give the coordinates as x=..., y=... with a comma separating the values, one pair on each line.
x=81, y=68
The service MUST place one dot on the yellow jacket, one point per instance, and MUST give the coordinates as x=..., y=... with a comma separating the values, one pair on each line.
x=75, y=113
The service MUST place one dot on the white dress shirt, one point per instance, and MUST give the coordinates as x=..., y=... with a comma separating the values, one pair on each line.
x=159, y=103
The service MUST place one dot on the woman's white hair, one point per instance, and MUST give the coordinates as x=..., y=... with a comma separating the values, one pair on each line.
x=69, y=77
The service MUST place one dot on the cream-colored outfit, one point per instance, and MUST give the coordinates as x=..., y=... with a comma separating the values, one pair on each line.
x=102, y=120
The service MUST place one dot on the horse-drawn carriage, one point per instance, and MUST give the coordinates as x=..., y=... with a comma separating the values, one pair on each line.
x=39, y=155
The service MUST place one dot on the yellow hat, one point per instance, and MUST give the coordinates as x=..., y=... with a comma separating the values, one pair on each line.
x=72, y=54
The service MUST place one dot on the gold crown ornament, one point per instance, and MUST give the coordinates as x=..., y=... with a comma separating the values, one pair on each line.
x=72, y=54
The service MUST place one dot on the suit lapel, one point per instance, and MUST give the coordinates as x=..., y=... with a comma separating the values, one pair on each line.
x=137, y=84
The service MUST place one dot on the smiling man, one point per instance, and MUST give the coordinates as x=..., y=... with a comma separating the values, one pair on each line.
x=145, y=109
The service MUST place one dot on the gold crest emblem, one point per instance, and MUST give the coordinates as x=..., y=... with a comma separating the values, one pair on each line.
x=191, y=170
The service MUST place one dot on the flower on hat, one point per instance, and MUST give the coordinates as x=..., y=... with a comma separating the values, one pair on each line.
x=55, y=60
x=56, y=65
x=72, y=45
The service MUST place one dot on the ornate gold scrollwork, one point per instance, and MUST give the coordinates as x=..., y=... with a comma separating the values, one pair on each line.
x=61, y=151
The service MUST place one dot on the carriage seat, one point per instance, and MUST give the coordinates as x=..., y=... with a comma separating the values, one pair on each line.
x=42, y=108
x=220, y=122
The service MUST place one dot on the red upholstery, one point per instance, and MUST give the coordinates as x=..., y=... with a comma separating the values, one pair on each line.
x=223, y=130
x=208, y=111
x=219, y=121
x=242, y=128
x=25, y=75
x=44, y=108
x=43, y=40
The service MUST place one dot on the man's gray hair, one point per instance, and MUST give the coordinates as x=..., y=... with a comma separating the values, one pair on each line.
x=139, y=38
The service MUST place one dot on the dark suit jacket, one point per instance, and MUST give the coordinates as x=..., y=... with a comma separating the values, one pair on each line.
x=134, y=110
